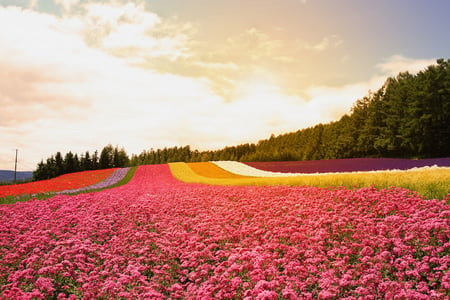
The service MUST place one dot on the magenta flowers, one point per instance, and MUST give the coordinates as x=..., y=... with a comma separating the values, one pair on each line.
x=157, y=238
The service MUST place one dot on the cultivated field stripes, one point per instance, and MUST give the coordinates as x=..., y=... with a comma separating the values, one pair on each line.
x=117, y=176
x=243, y=169
x=429, y=182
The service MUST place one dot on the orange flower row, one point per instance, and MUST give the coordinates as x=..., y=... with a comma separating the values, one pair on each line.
x=207, y=169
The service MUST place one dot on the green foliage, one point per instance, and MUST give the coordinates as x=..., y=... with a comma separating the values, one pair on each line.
x=55, y=165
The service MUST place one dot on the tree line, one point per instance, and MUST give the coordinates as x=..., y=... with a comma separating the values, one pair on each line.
x=408, y=117
x=56, y=165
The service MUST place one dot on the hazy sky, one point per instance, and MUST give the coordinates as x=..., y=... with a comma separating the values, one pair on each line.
x=77, y=75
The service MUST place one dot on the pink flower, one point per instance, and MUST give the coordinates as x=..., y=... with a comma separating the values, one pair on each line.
x=45, y=284
x=235, y=282
x=446, y=281
x=366, y=251
x=267, y=295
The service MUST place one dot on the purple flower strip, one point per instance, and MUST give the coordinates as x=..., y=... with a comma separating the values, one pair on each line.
x=118, y=175
x=348, y=165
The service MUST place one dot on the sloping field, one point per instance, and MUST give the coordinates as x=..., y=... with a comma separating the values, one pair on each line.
x=114, y=178
x=159, y=238
x=430, y=182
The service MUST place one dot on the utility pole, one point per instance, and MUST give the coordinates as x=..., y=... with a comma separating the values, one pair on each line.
x=15, y=167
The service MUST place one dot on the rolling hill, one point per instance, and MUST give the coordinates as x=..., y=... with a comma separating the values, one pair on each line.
x=8, y=176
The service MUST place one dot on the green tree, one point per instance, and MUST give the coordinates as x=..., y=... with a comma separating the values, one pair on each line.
x=106, y=160
x=69, y=163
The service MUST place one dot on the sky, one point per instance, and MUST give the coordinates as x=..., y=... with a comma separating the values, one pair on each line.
x=76, y=75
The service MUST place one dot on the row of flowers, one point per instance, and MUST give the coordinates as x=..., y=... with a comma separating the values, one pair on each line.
x=242, y=169
x=157, y=237
x=115, y=177
x=247, y=169
x=64, y=182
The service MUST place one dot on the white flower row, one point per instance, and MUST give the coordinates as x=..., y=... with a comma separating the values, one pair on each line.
x=246, y=170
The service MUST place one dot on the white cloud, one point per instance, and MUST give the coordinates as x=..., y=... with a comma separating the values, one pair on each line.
x=217, y=66
x=254, y=43
x=398, y=63
x=325, y=43
x=129, y=30
x=32, y=3
x=67, y=4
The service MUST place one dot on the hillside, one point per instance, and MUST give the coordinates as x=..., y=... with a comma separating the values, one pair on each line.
x=8, y=176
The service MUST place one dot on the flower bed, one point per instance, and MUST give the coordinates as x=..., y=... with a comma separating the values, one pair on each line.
x=63, y=182
x=211, y=170
x=243, y=169
x=348, y=165
x=429, y=182
x=157, y=237
x=117, y=176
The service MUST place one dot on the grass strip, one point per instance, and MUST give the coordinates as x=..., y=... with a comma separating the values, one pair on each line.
x=429, y=183
x=43, y=196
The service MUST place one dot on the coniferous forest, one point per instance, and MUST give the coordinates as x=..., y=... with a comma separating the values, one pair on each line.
x=408, y=117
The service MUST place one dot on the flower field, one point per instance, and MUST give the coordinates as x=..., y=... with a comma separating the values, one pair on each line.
x=157, y=238
x=429, y=182
x=63, y=182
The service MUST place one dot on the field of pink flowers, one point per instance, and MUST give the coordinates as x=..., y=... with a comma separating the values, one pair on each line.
x=156, y=237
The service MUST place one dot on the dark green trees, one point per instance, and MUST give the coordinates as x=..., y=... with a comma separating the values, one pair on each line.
x=113, y=157
x=55, y=165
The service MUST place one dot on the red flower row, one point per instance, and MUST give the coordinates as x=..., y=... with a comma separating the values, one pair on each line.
x=63, y=182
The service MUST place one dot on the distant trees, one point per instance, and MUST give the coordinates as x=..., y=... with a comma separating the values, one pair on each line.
x=162, y=156
x=56, y=165
x=408, y=117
